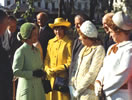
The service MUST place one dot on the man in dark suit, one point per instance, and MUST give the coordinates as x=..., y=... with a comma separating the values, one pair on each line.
x=108, y=41
x=77, y=46
x=4, y=65
x=9, y=39
x=45, y=33
x=10, y=43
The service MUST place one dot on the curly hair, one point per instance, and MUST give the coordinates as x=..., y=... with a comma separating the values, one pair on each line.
x=116, y=28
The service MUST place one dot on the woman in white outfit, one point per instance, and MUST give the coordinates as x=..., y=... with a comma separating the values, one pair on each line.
x=89, y=62
x=116, y=72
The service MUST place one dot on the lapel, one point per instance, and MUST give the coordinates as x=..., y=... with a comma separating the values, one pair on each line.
x=84, y=52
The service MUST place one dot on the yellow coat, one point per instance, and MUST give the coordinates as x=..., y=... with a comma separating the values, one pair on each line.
x=58, y=54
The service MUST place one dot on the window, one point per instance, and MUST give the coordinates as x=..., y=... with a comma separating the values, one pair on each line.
x=39, y=4
x=8, y=3
x=24, y=2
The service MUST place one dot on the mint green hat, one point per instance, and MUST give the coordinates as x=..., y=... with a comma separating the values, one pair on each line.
x=26, y=30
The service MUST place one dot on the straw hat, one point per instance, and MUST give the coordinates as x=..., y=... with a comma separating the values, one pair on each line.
x=59, y=22
x=122, y=20
x=89, y=29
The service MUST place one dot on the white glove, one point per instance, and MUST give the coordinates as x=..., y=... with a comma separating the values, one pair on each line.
x=72, y=90
x=75, y=94
x=98, y=87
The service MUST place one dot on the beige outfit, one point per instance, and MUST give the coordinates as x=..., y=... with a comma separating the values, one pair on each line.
x=88, y=65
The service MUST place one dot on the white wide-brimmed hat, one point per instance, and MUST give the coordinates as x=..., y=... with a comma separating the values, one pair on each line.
x=122, y=20
x=89, y=29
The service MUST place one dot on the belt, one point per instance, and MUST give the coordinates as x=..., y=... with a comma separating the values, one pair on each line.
x=125, y=86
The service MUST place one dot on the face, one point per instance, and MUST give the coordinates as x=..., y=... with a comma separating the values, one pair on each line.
x=3, y=26
x=85, y=40
x=12, y=25
x=78, y=22
x=41, y=20
x=59, y=32
x=105, y=26
x=114, y=35
x=34, y=36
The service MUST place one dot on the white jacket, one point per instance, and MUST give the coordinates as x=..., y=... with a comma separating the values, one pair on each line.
x=117, y=68
x=89, y=63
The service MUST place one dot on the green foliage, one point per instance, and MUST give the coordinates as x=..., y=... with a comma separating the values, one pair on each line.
x=28, y=15
x=17, y=8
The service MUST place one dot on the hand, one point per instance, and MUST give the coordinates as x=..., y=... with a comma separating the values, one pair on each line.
x=75, y=94
x=38, y=73
x=98, y=87
x=50, y=72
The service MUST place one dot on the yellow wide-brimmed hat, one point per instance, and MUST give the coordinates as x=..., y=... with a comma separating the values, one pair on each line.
x=59, y=22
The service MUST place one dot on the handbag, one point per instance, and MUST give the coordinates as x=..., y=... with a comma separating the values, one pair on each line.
x=46, y=85
x=61, y=84
x=102, y=95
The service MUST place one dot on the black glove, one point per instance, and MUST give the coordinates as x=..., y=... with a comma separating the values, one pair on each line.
x=38, y=73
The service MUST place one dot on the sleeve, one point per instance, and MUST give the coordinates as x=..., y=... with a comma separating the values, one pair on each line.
x=68, y=53
x=18, y=64
x=100, y=76
x=122, y=73
x=47, y=58
x=94, y=68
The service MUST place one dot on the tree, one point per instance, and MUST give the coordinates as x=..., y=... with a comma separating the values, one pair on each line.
x=28, y=15
x=93, y=4
x=66, y=7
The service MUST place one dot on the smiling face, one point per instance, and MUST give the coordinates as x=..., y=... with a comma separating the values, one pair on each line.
x=78, y=22
x=3, y=25
x=12, y=25
x=105, y=26
x=107, y=18
x=59, y=32
x=41, y=19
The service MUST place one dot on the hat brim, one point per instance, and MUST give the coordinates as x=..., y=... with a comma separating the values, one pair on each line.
x=66, y=24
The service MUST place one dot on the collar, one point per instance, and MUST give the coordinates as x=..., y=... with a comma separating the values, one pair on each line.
x=42, y=28
x=63, y=39
x=9, y=31
x=86, y=50
x=29, y=46
x=123, y=43
x=114, y=48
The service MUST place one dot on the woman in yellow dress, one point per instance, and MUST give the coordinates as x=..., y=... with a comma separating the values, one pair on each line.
x=58, y=54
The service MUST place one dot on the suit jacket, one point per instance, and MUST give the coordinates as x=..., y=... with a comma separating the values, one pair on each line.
x=10, y=44
x=5, y=69
x=88, y=65
x=117, y=69
x=77, y=46
x=44, y=36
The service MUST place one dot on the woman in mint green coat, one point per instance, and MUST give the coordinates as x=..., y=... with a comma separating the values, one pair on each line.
x=27, y=65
